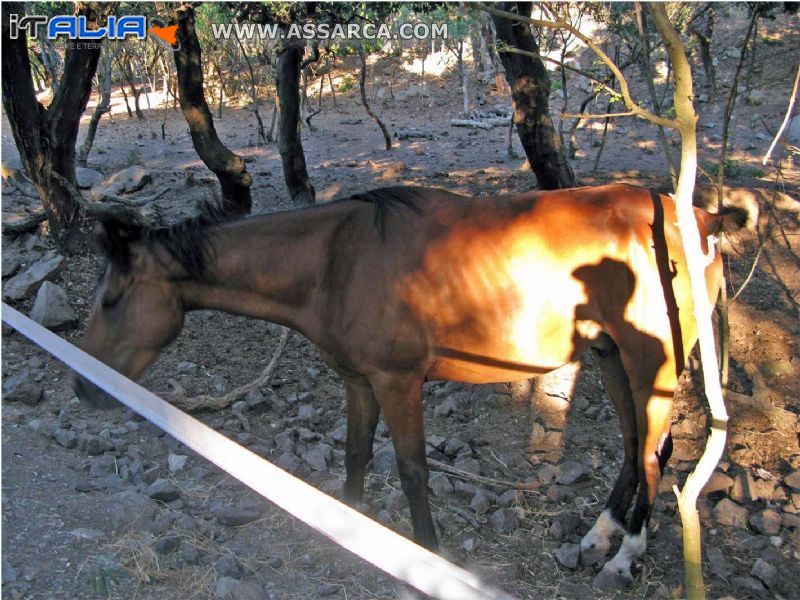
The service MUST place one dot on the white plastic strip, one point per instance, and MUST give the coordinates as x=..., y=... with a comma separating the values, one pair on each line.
x=387, y=550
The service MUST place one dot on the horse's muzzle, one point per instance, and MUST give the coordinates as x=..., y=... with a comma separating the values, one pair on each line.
x=93, y=395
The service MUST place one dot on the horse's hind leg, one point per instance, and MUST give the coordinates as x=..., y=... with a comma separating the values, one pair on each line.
x=362, y=419
x=653, y=380
x=596, y=543
x=400, y=398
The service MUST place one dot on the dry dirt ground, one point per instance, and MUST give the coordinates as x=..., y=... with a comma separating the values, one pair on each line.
x=77, y=518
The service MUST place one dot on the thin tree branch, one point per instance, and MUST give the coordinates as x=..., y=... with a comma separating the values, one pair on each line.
x=785, y=118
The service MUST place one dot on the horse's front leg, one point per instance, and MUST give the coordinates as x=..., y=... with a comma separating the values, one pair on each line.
x=596, y=543
x=400, y=398
x=362, y=419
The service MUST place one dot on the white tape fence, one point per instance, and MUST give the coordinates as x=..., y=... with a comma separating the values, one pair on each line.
x=387, y=550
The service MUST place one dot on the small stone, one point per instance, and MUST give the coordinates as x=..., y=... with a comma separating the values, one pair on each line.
x=446, y=408
x=766, y=522
x=229, y=566
x=396, y=501
x=190, y=553
x=176, y=462
x=328, y=589
x=306, y=412
x=571, y=471
x=503, y=521
x=749, y=585
x=480, y=502
x=471, y=544
x=22, y=388
x=470, y=465
x=717, y=563
x=563, y=525
x=87, y=178
x=792, y=480
x=249, y=589
x=225, y=587
x=718, y=485
x=318, y=457
x=509, y=498
x=94, y=445
x=440, y=485
x=131, y=511
x=727, y=512
x=66, y=438
x=609, y=581
x=455, y=447
x=569, y=555
x=384, y=461
x=547, y=473
x=764, y=571
x=167, y=544
x=29, y=281
x=163, y=491
x=288, y=462
x=239, y=514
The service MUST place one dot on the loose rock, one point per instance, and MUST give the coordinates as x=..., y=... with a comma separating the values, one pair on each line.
x=766, y=522
x=176, y=462
x=238, y=514
x=440, y=485
x=163, y=491
x=29, y=281
x=87, y=178
x=480, y=502
x=569, y=555
x=727, y=512
x=22, y=388
x=571, y=471
x=52, y=308
x=503, y=521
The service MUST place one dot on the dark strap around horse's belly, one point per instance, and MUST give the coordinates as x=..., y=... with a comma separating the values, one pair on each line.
x=469, y=367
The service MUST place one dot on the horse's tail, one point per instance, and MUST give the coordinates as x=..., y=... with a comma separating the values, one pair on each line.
x=730, y=219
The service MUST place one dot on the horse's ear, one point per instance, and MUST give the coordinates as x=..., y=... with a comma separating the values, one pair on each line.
x=115, y=233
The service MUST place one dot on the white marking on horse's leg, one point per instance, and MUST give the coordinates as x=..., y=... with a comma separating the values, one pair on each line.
x=596, y=543
x=633, y=546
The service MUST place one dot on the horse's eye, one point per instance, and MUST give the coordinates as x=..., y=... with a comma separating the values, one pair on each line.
x=109, y=301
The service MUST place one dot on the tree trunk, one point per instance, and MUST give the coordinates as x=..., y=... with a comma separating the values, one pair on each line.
x=229, y=168
x=362, y=86
x=530, y=90
x=290, y=145
x=696, y=262
x=46, y=138
x=104, y=90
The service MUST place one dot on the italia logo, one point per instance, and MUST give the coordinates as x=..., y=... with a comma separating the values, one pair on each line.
x=76, y=27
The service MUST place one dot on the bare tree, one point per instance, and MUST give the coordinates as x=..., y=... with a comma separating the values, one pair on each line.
x=362, y=86
x=530, y=91
x=45, y=137
x=290, y=144
x=104, y=90
x=229, y=168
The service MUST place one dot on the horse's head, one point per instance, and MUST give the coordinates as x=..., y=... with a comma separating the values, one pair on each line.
x=137, y=310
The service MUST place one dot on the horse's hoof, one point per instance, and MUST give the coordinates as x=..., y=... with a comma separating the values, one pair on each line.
x=593, y=552
x=592, y=555
x=612, y=579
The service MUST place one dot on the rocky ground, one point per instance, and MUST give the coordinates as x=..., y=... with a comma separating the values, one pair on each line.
x=103, y=503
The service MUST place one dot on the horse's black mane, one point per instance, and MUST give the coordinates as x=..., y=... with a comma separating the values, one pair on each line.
x=384, y=198
x=189, y=241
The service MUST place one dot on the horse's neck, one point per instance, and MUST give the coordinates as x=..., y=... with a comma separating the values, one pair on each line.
x=268, y=267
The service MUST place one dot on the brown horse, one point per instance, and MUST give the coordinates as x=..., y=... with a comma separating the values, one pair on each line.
x=402, y=285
